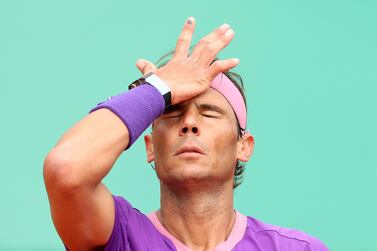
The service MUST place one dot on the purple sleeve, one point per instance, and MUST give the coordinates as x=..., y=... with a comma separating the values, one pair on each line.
x=133, y=231
x=315, y=245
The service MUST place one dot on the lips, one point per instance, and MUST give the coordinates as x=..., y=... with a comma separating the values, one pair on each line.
x=189, y=149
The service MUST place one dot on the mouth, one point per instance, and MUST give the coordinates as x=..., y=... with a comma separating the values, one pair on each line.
x=190, y=154
x=190, y=151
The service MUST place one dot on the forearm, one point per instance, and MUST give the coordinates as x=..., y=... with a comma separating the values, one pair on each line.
x=87, y=151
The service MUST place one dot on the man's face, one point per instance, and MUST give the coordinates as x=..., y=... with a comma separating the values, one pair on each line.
x=206, y=121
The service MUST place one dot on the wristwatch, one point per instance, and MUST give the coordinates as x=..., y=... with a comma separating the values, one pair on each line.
x=155, y=81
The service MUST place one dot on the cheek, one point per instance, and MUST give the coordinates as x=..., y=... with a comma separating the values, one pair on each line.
x=161, y=145
x=225, y=149
x=160, y=149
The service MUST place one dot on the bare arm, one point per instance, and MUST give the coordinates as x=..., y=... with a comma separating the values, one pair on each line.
x=81, y=206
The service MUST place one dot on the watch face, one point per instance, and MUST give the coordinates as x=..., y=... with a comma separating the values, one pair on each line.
x=134, y=84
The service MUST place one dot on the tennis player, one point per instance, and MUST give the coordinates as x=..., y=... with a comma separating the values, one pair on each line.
x=199, y=139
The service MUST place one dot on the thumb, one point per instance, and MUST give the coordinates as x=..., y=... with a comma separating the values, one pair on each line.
x=145, y=66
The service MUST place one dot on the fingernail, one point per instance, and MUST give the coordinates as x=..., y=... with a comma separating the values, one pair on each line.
x=236, y=60
x=229, y=32
x=190, y=20
x=224, y=26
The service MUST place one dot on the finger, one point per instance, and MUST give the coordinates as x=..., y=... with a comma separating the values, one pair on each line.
x=184, y=39
x=209, y=39
x=209, y=53
x=221, y=66
x=145, y=66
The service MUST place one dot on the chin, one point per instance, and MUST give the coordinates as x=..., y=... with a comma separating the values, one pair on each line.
x=185, y=173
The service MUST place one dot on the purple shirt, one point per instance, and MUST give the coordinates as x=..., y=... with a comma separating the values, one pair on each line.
x=135, y=231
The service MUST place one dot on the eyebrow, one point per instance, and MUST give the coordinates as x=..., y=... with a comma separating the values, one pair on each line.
x=206, y=107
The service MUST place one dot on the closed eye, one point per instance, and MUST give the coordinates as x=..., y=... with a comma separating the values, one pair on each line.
x=205, y=115
x=209, y=116
x=171, y=115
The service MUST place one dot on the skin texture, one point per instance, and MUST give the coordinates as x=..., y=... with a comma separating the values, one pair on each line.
x=212, y=131
x=196, y=193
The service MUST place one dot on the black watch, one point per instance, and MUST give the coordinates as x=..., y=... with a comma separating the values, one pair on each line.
x=155, y=81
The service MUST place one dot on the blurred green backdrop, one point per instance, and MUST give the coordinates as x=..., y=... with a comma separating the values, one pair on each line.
x=310, y=73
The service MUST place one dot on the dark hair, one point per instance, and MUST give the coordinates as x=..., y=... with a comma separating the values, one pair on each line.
x=237, y=81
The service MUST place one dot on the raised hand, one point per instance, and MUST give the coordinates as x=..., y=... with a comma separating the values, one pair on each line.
x=189, y=75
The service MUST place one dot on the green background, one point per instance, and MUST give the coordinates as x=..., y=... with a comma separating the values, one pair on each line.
x=310, y=73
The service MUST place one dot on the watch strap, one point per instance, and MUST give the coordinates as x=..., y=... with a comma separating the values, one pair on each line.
x=155, y=81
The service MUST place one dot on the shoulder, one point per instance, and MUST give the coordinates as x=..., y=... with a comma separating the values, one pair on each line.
x=292, y=239
x=133, y=230
x=122, y=206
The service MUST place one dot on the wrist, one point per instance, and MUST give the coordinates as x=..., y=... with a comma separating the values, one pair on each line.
x=155, y=81
x=137, y=108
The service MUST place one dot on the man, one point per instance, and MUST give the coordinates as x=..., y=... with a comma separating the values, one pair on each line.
x=197, y=115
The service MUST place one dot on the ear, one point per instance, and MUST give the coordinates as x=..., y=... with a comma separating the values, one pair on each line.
x=245, y=147
x=149, y=147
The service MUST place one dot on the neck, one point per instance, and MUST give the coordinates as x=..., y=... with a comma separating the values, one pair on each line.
x=198, y=218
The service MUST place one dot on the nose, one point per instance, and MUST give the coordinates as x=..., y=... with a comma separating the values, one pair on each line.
x=186, y=129
x=189, y=125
